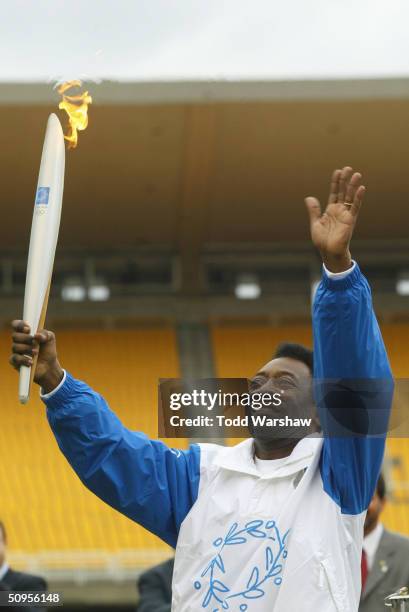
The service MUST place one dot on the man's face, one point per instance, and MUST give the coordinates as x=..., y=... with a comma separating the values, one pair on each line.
x=292, y=380
x=374, y=510
x=2, y=547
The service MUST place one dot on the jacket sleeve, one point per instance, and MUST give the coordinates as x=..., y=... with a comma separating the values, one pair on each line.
x=353, y=389
x=144, y=479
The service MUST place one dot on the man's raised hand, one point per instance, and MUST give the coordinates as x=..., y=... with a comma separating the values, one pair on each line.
x=331, y=230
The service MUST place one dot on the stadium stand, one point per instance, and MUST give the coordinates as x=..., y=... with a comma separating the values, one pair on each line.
x=53, y=521
x=396, y=514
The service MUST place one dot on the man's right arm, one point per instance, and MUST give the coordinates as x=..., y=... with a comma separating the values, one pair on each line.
x=144, y=479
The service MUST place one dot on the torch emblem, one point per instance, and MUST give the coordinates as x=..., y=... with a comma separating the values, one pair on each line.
x=43, y=194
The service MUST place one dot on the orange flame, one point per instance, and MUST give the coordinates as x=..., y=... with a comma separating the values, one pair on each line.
x=76, y=107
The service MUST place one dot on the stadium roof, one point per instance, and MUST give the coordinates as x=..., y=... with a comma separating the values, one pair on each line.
x=185, y=91
x=189, y=164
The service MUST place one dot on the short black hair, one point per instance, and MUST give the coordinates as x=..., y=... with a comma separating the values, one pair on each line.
x=296, y=351
x=3, y=531
x=381, y=487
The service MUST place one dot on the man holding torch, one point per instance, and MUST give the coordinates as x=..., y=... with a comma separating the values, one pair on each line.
x=274, y=523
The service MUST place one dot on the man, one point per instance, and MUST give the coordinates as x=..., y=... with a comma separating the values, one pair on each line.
x=276, y=522
x=385, y=557
x=11, y=580
x=155, y=588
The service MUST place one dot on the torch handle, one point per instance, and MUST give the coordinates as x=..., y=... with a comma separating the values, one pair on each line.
x=27, y=373
x=24, y=384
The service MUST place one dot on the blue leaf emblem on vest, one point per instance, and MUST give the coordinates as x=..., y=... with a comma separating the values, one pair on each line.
x=218, y=592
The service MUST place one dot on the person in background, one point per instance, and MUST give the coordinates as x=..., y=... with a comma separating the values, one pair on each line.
x=11, y=580
x=155, y=588
x=385, y=556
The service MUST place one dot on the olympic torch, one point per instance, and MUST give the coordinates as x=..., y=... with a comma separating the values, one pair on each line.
x=47, y=214
x=43, y=239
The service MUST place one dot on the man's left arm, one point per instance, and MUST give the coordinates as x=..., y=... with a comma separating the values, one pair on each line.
x=353, y=379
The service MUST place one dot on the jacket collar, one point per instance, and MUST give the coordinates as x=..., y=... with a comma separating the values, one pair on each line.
x=239, y=458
